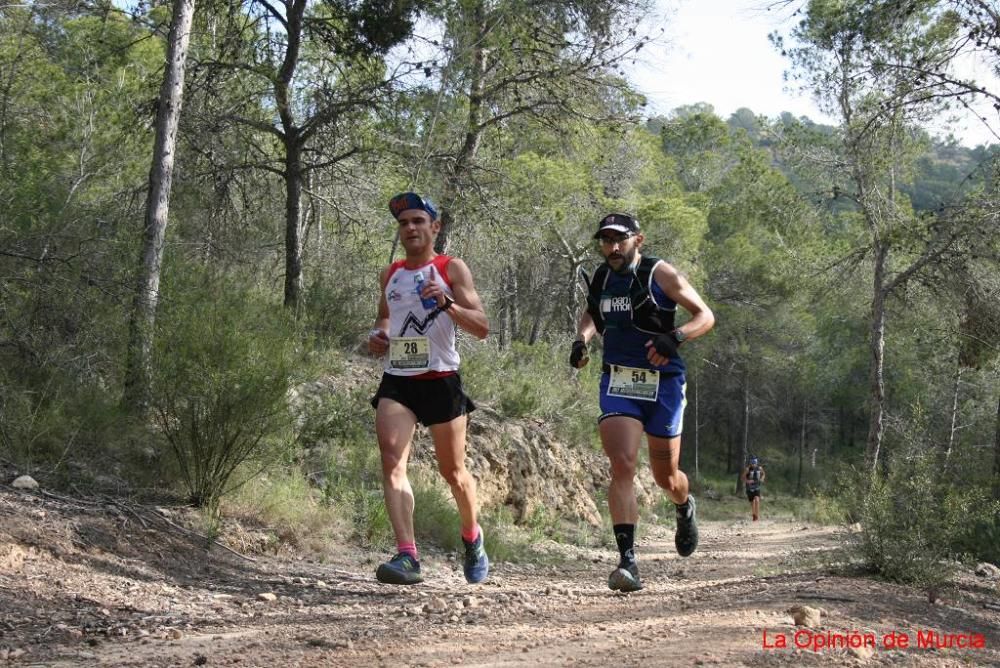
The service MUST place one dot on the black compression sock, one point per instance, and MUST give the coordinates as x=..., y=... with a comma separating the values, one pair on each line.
x=625, y=537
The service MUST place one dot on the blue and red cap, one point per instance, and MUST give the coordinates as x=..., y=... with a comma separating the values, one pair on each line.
x=404, y=201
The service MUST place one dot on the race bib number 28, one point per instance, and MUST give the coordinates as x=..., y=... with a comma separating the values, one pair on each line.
x=632, y=383
x=409, y=352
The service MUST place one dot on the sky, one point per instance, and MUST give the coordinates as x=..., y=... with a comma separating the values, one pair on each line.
x=717, y=51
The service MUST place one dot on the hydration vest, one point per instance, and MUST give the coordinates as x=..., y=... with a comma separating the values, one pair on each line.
x=647, y=316
x=754, y=475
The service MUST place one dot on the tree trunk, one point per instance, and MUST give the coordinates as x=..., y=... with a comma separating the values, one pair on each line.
x=503, y=315
x=876, y=375
x=143, y=318
x=292, y=140
x=473, y=130
x=996, y=456
x=802, y=449
x=842, y=428
x=540, y=310
x=293, y=220
x=513, y=303
x=953, y=428
x=745, y=446
x=730, y=440
x=536, y=324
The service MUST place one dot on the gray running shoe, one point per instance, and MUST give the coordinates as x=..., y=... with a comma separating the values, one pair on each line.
x=625, y=578
x=477, y=564
x=686, y=538
x=400, y=570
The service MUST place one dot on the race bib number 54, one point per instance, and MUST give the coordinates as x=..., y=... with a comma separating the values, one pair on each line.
x=632, y=383
x=409, y=352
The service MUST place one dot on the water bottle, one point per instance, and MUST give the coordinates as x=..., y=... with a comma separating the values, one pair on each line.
x=428, y=302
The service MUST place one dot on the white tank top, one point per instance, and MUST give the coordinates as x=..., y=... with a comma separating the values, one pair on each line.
x=421, y=340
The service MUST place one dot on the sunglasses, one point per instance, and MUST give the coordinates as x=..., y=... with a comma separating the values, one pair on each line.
x=618, y=239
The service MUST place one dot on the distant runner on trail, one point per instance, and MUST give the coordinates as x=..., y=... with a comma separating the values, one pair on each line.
x=753, y=478
x=632, y=301
x=425, y=298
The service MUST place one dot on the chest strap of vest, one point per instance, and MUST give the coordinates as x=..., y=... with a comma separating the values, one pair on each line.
x=644, y=309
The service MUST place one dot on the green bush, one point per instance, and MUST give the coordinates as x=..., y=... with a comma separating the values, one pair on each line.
x=914, y=526
x=980, y=534
x=32, y=425
x=220, y=383
x=67, y=432
x=824, y=508
x=536, y=381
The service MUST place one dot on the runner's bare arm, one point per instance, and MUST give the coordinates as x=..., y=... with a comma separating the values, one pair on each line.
x=585, y=328
x=378, y=337
x=677, y=288
x=467, y=310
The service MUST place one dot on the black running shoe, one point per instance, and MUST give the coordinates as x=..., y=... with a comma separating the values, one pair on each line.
x=625, y=578
x=686, y=538
x=402, y=569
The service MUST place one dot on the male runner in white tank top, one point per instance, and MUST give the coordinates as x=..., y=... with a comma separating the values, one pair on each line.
x=425, y=299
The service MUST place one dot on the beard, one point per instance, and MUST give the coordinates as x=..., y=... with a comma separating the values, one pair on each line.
x=628, y=260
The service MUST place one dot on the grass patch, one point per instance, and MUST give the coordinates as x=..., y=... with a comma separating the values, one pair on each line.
x=293, y=511
x=436, y=522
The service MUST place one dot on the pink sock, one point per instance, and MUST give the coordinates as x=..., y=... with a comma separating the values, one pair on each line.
x=408, y=548
x=470, y=535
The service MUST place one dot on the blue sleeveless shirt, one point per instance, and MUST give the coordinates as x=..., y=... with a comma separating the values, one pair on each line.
x=624, y=344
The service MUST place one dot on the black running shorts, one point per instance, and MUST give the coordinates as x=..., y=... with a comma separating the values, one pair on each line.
x=752, y=493
x=432, y=400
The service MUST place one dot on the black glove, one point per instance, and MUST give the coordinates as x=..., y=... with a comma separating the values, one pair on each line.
x=666, y=344
x=578, y=353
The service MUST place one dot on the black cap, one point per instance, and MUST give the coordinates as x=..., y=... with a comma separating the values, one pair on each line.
x=618, y=222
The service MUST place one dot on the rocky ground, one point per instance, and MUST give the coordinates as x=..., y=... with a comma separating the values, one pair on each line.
x=101, y=582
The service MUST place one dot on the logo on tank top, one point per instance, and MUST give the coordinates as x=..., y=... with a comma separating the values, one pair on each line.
x=416, y=325
x=616, y=305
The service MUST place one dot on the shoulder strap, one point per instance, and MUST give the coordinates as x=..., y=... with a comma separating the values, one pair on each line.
x=639, y=292
x=644, y=272
x=597, y=282
x=644, y=307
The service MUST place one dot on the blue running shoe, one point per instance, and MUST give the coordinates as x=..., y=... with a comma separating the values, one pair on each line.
x=402, y=569
x=625, y=578
x=686, y=538
x=477, y=564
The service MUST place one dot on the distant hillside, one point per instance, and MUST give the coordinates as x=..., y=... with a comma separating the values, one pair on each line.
x=947, y=170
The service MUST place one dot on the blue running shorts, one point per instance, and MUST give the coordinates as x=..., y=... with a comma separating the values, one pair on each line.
x=663, y=418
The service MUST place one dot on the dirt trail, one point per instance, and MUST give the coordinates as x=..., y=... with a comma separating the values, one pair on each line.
x=85, y=583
